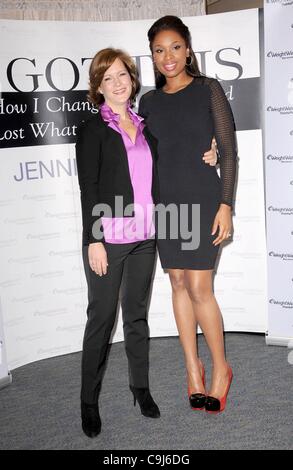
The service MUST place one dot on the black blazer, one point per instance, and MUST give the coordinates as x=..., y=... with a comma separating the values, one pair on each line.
x=103, y=171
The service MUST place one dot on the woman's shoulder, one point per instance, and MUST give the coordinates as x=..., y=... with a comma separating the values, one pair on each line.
x=205, y=80
x=145, y=103
x=147, y=97
x=149, y=94
x=91, y=125
x=91, y=121
x=214, y=84
x=91, y=128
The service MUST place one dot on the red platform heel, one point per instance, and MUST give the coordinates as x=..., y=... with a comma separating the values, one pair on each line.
x=214, y=405
x=197, y=400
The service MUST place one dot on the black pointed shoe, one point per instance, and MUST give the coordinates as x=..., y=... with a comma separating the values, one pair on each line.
x=217, y=405
x=147, y=405
x=90, y=419
x=197, y=401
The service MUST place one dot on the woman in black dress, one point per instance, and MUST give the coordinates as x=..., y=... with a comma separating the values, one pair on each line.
x=185, y=111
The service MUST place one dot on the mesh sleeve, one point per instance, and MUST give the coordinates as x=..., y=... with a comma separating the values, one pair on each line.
x=225, y=136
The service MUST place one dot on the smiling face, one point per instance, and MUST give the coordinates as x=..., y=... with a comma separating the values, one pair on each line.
x=116, y=85
x=170, y=53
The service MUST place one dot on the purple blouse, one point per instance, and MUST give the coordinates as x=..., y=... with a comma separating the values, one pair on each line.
x=140, y=227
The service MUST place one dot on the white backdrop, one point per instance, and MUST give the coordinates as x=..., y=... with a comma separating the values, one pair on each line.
x=279, y=168
x=42, y=284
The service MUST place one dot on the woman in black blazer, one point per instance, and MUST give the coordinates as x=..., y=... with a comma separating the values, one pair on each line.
x=116, y=163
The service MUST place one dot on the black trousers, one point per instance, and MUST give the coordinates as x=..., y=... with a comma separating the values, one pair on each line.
x=130, y=272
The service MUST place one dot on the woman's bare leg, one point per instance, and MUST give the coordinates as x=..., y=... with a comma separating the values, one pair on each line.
x=199, y=287
x=186, y=324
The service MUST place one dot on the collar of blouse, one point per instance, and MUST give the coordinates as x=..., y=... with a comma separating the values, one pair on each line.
x=109, y=115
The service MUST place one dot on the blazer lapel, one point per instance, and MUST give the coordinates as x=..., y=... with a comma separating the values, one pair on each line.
x=118, y=142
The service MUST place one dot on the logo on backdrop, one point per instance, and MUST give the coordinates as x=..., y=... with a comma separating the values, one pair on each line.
x=281, y=210
x=282, y=303
x=282, y=256
x=280, y=158
x=281, y=109
x=280, y=54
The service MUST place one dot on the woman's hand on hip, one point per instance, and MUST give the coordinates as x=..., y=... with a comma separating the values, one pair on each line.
x=223, y=221
x=98, y=259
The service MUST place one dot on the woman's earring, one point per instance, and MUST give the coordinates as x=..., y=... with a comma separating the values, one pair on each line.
x=190, y=61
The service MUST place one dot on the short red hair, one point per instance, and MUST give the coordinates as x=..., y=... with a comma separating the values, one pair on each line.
x=100, y=63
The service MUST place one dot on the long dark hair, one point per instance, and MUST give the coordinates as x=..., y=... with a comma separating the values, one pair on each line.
x=176, y=24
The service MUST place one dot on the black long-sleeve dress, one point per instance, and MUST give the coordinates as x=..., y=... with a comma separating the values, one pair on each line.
x=184, y=124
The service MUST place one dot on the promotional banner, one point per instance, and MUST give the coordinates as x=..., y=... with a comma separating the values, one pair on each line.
x=278, y=16
x=44, y=80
